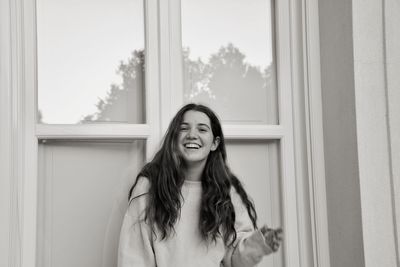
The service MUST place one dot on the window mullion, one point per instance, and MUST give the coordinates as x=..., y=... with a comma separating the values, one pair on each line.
x=153, y=78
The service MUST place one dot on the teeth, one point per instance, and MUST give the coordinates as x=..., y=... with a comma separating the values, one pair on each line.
x=192, y=146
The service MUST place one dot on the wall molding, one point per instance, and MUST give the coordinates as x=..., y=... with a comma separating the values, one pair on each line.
x=314, y=129
x=8, y=231
x=16, y=132
x=21, y=107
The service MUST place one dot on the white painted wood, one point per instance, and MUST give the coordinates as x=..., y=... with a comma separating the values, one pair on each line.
x=166, y=93
x=176, y=60
x=244, y=132
x=93, y=131
x=17, y=131
x=30, y=145
x=170, y=60
x=45, y=203
x=391, y=11
x=314, y=127
x=153, y=119
x=22, y=140
x=306, y=244
x=373, y=130
x=284, y=79
x=6, y=168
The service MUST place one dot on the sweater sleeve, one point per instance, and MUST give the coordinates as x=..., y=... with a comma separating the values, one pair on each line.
x=135, y=243
x=250, y=246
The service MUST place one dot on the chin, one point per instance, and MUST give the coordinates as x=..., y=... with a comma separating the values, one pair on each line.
x=194, y=160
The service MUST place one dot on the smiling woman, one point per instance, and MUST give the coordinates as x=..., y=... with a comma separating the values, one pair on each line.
x=187, y=208
x=196, y=141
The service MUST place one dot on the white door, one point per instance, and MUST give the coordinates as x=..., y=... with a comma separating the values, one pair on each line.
x=109, y=75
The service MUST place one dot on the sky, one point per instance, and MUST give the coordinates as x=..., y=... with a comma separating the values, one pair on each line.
x=209, y=24
x=82, y=42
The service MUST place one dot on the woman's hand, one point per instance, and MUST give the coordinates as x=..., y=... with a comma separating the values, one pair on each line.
x=273, y=237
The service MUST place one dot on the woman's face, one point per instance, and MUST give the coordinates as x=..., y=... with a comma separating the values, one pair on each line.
x=196, y=139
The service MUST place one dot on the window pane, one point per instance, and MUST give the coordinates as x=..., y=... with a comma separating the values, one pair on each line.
x=257, y=165
x=90, y=61
x=229, y=59
x=83, y=195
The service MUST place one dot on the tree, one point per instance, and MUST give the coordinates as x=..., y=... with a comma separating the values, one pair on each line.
x=124, y=102
x=226, y=83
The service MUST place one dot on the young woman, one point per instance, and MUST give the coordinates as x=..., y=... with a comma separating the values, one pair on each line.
x=186, y=207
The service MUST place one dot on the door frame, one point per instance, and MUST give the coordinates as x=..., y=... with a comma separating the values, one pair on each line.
x=20, y=133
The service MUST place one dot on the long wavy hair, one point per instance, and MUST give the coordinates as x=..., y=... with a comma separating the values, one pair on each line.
x=165, y=173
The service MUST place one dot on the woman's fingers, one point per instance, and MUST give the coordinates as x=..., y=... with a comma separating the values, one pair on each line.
x=264, y=229
x=273, y=237
x=275, y=246
x=279, y=234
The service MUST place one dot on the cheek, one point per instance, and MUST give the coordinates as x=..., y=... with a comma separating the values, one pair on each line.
x=210, y=141
x=179, y=139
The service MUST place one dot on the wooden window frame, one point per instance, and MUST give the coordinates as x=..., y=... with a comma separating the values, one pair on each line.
x=22, y=133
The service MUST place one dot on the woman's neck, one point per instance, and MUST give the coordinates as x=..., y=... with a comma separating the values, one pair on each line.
x=193, y=172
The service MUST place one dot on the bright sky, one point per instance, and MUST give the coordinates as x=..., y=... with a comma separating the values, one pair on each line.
x=209, y=24
x=80, y=46
x=81, y=42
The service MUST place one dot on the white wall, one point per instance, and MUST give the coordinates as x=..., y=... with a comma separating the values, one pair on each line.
x=340, y=140
x=392, y=59
x=374, y=83
x=360, y=82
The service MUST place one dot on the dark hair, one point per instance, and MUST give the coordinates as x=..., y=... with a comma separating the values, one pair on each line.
x=165, y=173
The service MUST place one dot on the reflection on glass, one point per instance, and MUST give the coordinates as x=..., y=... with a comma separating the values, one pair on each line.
x=257, y=165
x=90, y=61
x=228, y=59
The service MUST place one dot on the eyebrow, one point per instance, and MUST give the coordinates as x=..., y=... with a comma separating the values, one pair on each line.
x=200, y=124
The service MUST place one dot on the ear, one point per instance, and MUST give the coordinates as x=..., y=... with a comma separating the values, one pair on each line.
x=215, y=143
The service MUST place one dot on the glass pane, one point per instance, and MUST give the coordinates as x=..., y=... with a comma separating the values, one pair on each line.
x=90, y=61
x=256, y=163
x=229, y=59
x=83, y=195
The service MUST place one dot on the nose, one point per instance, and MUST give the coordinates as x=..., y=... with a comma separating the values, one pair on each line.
x=191, y=134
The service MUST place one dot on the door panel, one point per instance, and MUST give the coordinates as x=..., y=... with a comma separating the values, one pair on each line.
x=83, y=190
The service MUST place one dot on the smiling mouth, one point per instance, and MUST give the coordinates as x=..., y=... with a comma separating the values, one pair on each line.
x=192, y=146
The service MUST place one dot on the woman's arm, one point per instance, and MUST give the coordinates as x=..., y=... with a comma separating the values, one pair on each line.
x=135, y=244
x=251, y=245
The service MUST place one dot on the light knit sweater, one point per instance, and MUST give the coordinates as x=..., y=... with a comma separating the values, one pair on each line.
x=186, y=248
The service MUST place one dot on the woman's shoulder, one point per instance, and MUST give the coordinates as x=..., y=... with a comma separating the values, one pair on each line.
x=141, y=187
x=139, y=198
